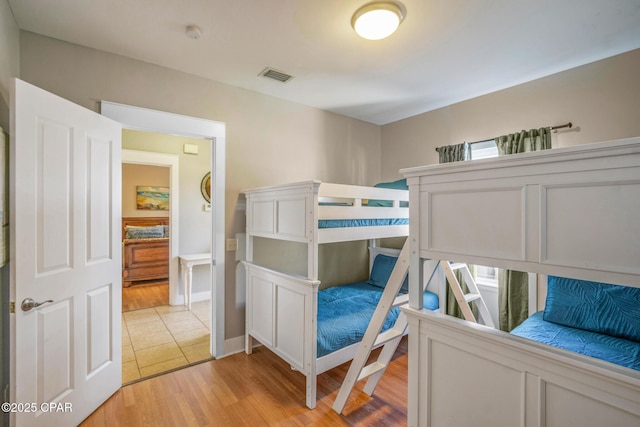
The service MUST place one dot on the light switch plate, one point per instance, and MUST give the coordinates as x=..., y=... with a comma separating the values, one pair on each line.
x=232, y=245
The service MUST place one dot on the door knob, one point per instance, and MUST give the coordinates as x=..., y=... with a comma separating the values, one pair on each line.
x=29, y=303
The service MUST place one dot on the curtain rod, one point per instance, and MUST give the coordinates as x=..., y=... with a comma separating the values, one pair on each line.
x=566, y=125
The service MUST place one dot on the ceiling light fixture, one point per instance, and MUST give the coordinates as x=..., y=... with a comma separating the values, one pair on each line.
x=375, y=21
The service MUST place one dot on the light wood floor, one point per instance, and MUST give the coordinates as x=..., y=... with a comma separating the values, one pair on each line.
x=256, y=390
x=153, y=294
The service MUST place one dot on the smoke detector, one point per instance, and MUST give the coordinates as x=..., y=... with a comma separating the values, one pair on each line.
x=193, y=32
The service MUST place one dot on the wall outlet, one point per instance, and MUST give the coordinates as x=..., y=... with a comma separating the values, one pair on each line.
x=232, y=245
x=206, y=207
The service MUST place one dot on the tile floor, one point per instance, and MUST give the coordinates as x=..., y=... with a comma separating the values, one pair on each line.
x=163, y=338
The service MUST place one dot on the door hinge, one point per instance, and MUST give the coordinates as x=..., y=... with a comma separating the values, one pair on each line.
x=12, y=306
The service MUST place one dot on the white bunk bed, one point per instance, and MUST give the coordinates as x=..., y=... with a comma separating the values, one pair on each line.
x=571, y=212
x=282, y=308
x=292, y=212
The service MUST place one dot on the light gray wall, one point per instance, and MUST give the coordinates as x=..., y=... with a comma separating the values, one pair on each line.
x=601, y=99
x=269, y=141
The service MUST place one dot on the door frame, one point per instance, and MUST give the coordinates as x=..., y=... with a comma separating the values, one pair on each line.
x=148, y=120
x=171, y=161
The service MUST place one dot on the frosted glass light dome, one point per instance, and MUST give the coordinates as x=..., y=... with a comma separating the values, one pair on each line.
x=376, y=21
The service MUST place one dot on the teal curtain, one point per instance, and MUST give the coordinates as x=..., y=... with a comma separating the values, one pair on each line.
x=513, y=290
x=448, y=154
x=513, y=298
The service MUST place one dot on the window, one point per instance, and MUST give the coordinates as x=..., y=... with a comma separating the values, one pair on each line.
x=483, y=149
x=487, y=275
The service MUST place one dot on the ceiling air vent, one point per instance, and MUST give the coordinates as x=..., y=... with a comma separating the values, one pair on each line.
x=275, y=75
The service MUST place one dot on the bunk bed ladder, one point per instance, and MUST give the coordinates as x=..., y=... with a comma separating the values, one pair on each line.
x=373, y=338
x=465, y=299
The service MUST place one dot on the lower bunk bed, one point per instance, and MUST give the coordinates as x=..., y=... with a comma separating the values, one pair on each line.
x=314, y=330
x=590, y=318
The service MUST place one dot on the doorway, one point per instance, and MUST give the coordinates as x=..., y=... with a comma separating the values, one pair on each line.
x=146, y=236
x=158, y=337
x=136, y=118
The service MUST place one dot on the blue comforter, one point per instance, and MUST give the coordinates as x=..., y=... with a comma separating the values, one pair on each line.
x=344, y=313
x=343, y=223
x=612, y=349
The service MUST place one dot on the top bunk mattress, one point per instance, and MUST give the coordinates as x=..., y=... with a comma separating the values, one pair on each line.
x=328, y=212
x=371, y=222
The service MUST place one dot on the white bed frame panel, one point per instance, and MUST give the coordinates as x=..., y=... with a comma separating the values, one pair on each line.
x=281, y=310
x=281, y=314
x=291, y=212
x=570, y=212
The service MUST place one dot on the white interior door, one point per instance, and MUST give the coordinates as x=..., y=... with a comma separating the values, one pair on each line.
x=65, y=247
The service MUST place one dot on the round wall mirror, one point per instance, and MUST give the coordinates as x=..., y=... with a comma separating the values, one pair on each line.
x=205, y=187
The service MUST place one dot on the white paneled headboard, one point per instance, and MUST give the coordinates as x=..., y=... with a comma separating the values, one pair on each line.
x=571, y=212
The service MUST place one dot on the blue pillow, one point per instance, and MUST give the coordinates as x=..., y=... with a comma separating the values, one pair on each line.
x=597, y=307
x=381, y=271
x=137, y=232
x=400, y=184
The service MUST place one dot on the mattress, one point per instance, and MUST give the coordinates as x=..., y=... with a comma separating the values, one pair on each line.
x=344, y=313
x=341, y=223
x=612, y=349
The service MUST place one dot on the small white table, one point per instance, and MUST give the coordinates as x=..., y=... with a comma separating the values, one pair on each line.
x=186, y=266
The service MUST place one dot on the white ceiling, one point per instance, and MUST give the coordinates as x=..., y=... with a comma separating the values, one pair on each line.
x=444, y=52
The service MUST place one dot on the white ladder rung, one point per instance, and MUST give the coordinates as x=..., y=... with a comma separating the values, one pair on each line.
x=400, y=300
x=465, y=299
x=471, y=297
x=388, y=335
x=458, y=265
x=371, y=369
x=373, y=338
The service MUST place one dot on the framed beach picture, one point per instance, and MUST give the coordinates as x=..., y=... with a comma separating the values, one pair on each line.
x=152, y=198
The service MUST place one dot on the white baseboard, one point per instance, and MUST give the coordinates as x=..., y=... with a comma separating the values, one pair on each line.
x=234, y=345
x=195, y=297
x=201, y=296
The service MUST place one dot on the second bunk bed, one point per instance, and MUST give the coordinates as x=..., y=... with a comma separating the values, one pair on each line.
x=569, y=215
x=315, y=330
